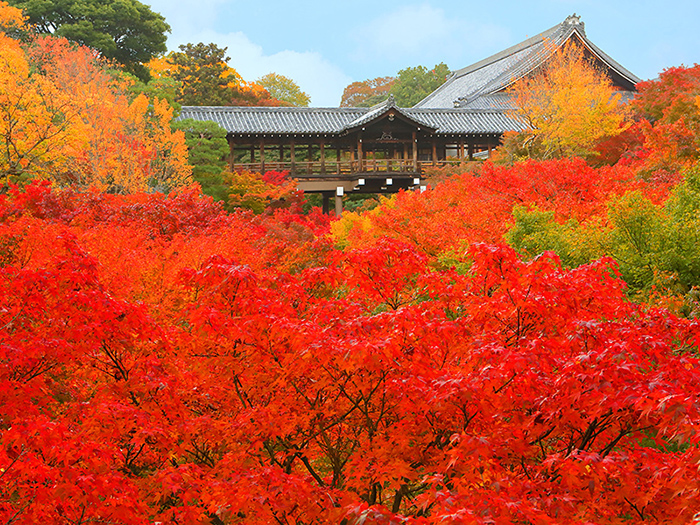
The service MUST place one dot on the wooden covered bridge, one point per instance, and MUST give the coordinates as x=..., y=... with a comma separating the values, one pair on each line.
x=335, y=151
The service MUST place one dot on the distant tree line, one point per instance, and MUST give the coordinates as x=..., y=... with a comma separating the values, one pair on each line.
x=409, y=86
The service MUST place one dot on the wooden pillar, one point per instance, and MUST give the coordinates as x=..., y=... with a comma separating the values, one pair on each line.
x=461, y=149
x=323, y=157
x=471, y=150
x=262, y=156
x=232, y=154
x=281, y=153
x=252, y=153
x=309, y=157
x=360, y=156
x=434, y=152
x=337, y=160
x=490, y=146
x=326, y=202
x=292, y=157
x=414, y=146
x=339, y=201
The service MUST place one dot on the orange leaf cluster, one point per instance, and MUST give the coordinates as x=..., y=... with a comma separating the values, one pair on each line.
x=66, y=119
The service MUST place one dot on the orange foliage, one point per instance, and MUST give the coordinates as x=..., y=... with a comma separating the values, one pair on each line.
x=477, y=207
x=11, y=18
x=38, y=119
x=66, y=119
x=256, y=192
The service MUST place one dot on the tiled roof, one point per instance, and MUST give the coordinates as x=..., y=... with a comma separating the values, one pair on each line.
x=499, y=71
x=471, y=101
x=502, y=101
x=331, y=121
x=275, y=120
x=472, y=121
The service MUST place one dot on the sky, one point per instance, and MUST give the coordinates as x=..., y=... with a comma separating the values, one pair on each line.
x=325, y=45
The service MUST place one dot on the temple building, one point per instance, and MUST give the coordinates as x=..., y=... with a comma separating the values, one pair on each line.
x=335, y=151
x=484, y=85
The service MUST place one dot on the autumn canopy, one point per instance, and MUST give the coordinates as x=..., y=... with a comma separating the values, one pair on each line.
x=517, y=344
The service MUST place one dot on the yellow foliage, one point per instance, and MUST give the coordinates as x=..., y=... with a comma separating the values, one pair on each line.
x=234, y=79
x=36, y=117
x=569, y=106
x=161, y=67
x=359, y=229
x=64, y=118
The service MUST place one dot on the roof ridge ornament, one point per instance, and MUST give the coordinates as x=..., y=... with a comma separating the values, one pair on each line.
x=574, y=20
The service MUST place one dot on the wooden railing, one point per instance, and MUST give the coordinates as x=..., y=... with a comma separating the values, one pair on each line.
x=338, y=168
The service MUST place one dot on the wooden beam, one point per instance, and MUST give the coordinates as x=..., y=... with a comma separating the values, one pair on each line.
x=326, y=202
x=309, y=157
x=339, y=201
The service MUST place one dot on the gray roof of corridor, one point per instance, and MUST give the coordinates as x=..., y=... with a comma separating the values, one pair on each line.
x=257, y=120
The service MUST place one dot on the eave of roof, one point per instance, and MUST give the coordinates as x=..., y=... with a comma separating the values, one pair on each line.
x=380, y=110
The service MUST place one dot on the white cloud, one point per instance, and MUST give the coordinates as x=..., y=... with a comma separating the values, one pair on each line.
x=320, y=79
x=422, y=31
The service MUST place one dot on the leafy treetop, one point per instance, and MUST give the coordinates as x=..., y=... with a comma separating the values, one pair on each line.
x=569, y=106
x=413, y=84
x=367, y=93
x=125, y=31
x=284, y=89
x=203, y=77
x=410, y=86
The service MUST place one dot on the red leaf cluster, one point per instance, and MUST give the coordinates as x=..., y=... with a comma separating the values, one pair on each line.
x=163, y=361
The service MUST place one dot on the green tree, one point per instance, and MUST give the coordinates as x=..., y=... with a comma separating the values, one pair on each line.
x=413, y=84
x=125, y=31
x=203, y=73
x=208, y=148
x=284, y=89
